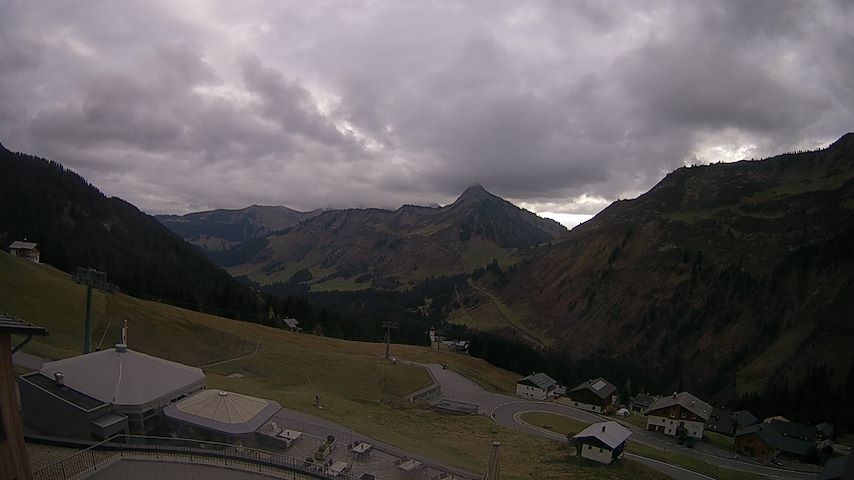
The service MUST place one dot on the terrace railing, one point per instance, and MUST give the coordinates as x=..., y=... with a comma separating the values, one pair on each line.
x=103, y=454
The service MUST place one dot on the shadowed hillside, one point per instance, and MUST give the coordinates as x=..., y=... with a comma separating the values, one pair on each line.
x=720, y=278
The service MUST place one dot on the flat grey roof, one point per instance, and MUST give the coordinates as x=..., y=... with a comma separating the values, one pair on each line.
x=79, y=400
x=128, y=378
x=109, y=419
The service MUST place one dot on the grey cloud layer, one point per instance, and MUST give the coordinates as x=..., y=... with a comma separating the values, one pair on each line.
x=179, y=106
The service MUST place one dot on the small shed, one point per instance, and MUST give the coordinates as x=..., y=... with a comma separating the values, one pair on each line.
x=641, y=402
x=292, y=324
x=603, y=442
x=221, y=414
x=455, y=407
x=824, y=431
x=24, y=249
x=537, y=386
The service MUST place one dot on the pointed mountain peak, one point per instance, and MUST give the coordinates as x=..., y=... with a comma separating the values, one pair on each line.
x=475, y=192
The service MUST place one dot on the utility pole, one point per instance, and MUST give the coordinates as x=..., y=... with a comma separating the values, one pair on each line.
x=388, y=326
x=92, y=279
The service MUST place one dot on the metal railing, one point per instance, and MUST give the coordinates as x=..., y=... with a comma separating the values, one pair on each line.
x=104, y=454
x=347, y=437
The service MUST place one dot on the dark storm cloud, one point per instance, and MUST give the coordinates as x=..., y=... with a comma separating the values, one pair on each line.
x=562, y=106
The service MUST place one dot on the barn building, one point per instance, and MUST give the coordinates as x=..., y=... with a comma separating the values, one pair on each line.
x=28, y=250
x=595, y=395
x=603, y=442
x=765, y=441
x=679, y=414
x=537, y=386
x=99, y=394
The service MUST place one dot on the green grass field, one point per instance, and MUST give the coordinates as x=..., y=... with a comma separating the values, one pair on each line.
x=691, y=463
x=636, y=420
x=555, y=423
x=357, y=387
x=721, y=441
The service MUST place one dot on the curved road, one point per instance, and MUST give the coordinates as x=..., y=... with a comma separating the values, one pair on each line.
x=505, y=409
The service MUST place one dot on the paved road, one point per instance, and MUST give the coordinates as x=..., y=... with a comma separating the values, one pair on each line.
x=26, y=360
x=505, y=410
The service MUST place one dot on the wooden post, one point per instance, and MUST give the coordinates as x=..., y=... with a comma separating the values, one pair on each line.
x=87, y=327
x=14, y=463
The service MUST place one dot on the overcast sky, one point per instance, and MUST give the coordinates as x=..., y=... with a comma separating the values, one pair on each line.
x=560, y=106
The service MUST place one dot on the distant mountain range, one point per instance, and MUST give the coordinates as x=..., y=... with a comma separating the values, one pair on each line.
x=721, y=276
x=360, y=248
x=218, y=230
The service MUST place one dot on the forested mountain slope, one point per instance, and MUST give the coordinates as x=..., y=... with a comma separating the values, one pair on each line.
x=720, y=278
x=75, y=225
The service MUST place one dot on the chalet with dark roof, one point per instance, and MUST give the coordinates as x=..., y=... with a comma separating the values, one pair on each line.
x=641, y=402
x=680, y=414
x=765, y=442
x=594, y=395
x=720, y=421
x=602, y=442
x=743, y=418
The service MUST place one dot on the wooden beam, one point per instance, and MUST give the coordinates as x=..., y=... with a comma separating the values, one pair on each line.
x=14, y=463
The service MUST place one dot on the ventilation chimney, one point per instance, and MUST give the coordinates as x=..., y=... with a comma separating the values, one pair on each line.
x=674, y=394
x=603, y=428
x=121, y=348
x=59, y=378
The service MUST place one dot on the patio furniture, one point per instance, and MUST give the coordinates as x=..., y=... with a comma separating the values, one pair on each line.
x=361, y=450
x=407, y=465
x=339, y=467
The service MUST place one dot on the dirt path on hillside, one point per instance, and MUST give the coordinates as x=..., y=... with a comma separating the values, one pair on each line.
x=233, y=359
x=507, y=319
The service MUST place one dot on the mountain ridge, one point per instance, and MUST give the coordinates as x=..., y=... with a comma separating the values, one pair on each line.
x=732, y=278
x=362, y=247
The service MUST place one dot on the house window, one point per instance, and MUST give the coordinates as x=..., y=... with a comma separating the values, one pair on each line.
x=589, y=447
x=600, y=450
x=683, y=414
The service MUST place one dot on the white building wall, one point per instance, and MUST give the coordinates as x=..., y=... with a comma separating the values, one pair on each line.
x=694, y=429
x=585, y=406
x=528, y=391
x=598, y=454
